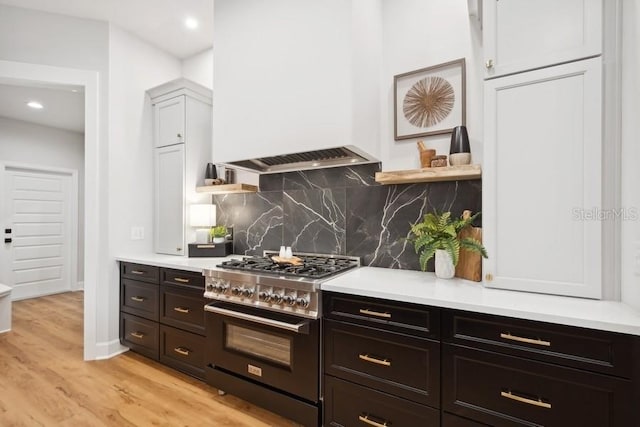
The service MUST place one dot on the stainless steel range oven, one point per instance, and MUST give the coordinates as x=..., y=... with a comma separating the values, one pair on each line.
x=263, y=330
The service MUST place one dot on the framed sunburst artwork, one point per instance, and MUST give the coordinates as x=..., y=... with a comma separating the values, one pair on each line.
x=429, y=101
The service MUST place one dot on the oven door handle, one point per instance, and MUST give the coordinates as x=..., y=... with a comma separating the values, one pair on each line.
x=299, y=328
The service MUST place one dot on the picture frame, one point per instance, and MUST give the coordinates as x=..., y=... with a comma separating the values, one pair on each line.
x=429, y=101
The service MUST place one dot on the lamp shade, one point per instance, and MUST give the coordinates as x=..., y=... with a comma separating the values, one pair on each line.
x=202, y=215
x=459, y=140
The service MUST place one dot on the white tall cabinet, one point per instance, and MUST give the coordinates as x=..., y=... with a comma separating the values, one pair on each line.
x=182, y=141
x=542, y=172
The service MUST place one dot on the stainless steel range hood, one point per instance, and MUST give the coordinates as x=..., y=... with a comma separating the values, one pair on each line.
x=325, y=158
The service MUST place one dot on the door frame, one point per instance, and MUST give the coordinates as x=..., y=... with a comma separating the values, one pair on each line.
x=96, y=277
x=73, y=205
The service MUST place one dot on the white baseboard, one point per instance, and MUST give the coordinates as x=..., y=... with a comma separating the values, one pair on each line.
x=79, y=286
x=109, y=349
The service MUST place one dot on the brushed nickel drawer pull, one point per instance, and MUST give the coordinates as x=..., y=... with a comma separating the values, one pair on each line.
x=137, y=272
x=181, y=309
x=539, y=402
x=367, y=358
x=375, y=313
x=508, y=336
x=181, y=280
x=138, y=299
x=182, y=351
x=365, y=419
x=138, y=335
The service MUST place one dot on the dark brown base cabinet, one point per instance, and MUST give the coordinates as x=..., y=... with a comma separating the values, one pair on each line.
x=394, y=364
x=162, y=315
x=381, y=363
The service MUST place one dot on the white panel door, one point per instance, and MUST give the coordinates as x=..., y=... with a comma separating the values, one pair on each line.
x=169, y=118
x=522, y=35
x=38, y=211
x=169, y=199
x=542, y=180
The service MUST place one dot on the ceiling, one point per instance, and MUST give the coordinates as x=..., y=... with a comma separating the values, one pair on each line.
x=159, y=22
x=63, y=108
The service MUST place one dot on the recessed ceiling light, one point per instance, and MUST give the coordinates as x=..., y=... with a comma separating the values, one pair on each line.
x=191, y=23
x=35, y=105
x=74, y=90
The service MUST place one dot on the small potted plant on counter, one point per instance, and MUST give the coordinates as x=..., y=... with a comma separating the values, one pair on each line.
x=218, y=233
x=437, y=235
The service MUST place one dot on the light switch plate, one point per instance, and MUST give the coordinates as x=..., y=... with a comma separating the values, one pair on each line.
x=137, y=233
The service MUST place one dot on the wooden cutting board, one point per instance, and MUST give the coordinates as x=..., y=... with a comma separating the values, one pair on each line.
x=470, y=263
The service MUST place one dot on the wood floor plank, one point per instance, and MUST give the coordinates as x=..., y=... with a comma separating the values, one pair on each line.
x=45, y=382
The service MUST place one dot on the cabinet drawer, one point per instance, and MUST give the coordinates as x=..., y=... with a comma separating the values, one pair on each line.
x=593, y=350
x=139, y=298
x=508, y=391
x=390, y=315
x=145, y=273
x=182, y=308
x=182, y=278
x=182, y=350
x=398, y=364
x=140, y=335
x=347, y=404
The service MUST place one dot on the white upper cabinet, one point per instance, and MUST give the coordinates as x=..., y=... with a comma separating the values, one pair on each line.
x=542, y=180
x=169, y=166
x=169, y=121
x=522, y=35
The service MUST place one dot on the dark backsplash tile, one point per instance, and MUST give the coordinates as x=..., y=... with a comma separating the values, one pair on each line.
x=314, y=220
x=256, y=219
x=340, y=211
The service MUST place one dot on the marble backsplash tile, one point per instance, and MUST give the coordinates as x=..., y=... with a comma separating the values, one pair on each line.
x=340, y=211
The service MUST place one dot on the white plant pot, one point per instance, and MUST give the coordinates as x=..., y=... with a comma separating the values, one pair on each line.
x=444, y=265
x=218, y=240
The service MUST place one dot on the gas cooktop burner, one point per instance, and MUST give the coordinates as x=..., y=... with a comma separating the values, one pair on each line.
x=312, y=266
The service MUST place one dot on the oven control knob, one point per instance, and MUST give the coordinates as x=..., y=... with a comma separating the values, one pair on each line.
x=247, y=293
x=302, y=302
x=264, y=296
x=276, y=298
x=223, y=289
x=210, y=287
x=236, y=291
x=289, y=300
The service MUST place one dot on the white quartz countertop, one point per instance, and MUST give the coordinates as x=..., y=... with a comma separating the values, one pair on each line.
x=424, y=288
x=177, y=262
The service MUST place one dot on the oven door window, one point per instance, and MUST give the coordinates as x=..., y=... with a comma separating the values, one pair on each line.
x=271, y=347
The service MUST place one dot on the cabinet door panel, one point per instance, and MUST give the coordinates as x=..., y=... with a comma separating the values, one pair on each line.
x=522, y=35
x=509, y=391
x=169, y=199
x=169, y=121
x=542, y=180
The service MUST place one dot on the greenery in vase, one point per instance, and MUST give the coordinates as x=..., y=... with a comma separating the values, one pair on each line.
x=440, y=231
x=218, y=231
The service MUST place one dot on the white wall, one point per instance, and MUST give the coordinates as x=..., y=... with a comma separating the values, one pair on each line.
x=630, y=152
x=134, y=67
x=24, y=142
x=199, y=68
x=282, y=77
x=418, y=34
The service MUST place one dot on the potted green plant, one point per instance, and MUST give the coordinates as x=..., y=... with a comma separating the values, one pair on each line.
x=218, y=233
x=437, y=235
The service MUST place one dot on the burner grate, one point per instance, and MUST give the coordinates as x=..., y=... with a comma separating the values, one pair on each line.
x=313, y=266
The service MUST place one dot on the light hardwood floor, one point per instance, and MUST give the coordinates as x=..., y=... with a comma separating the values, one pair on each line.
x=45, y=382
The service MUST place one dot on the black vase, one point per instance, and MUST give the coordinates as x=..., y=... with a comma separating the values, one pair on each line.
x=460, y=150
x=211, y=172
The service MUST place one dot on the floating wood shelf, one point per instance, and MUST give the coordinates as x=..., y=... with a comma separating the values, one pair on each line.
x=445, y=173
x=227, y=188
